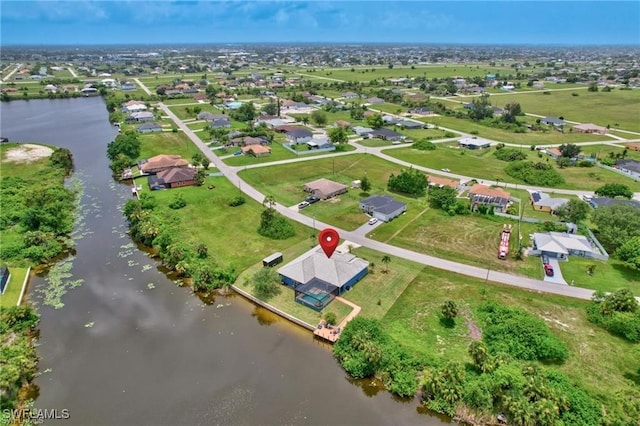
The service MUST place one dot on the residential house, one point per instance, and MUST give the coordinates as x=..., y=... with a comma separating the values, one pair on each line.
x=440, y=182
x=161, y=162
x=343, y=123
x=409, y=125
x=209, y=116
x=630, y=167
x=560, y=245
x=318, y=279
x=602, y=202
x=421, y=111
x=374, y=101
x=325, y=188
x=128, y=86
x=590, y=128
x=481, y=195
x=553, y=153
x=140, y=116
x=387, y=135
x=362, y=131
x=389, y=119
x=543, y=202
x=634, y=146
x=256, y=150
x=174, y=177
x=89, y=91
x=220, y=123
x=553, y=121
x=318, y=100
x=320, y=143
x=249, y=141
x=382, y=207
x=133, y=106
x=473, y=143
x=350, y=95
x=298, y=135
x=149, y=127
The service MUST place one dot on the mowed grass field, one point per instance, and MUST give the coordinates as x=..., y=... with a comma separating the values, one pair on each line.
x=500, y=135
x=166, y=143
x=618, y=108
x=596, y=357
x=371, y=72
x=469, y=239
x=208, y=219
x=14, y=287
x=482, y=164
x=285, y=182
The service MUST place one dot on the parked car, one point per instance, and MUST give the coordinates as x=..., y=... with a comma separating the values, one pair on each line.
x=237, y=153
x=445, y=170
x=548, y=270
x=302, y=205
x=373, y=221
x=312, y=199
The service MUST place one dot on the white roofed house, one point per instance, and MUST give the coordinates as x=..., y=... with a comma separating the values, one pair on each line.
x=140, y=116
x=560, y=245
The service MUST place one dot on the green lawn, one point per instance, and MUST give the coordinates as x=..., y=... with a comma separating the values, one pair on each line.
x=482, y=164
x=607, y=276
x=167, y=143
x=278, y=152
x=181, y=110
x=618, y=108
x=596, y=357
x=208, y=219
x=531, y=138
x=14, y=287
x=469, y=239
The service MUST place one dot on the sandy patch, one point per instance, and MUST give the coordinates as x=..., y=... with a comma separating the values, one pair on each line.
x=346, y=247
x=27, y=153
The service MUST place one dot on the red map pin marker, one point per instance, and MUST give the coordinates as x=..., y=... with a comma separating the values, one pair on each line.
x=329, y=240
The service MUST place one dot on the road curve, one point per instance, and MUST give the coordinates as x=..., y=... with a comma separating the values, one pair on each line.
x=471, y=271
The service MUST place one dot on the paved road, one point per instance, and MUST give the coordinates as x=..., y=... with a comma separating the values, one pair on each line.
x=146, y=90
x=472, y=271
x=73, y=73
x=8, y=76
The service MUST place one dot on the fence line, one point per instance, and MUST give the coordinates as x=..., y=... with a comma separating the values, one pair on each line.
x=618, y=171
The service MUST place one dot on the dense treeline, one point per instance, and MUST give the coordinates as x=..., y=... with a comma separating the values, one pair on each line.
x=37, y=211
x=540, y=174
x=409, y=181
x=155, y=226
x=618, y=313
x=18, y=358
x=504, y=376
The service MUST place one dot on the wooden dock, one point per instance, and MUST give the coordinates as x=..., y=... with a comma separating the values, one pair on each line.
x=332, y=333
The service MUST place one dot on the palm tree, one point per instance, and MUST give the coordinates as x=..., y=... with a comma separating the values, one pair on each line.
x=385, y=260
x=479, y=352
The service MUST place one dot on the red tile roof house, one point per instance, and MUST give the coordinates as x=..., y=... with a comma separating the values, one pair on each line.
x=174, y=177
x=440, y=182
x=256, y=150
x=486, y=196
x=554, y=153
x=162, y=162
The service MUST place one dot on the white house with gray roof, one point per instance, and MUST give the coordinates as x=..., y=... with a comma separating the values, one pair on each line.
x=382, y=207
x=560, y=245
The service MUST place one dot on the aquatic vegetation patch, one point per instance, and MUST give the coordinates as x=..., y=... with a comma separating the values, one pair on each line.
x=59, y=282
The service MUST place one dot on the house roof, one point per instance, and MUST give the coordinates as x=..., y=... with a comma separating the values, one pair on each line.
x=383, y=204
x=164, y=161
x=553, y=120
x=385, y=133
x=149, y=126
x=176, y=174
x=558, y=242
x=141, y=114
x=408, y=124
x=437, y=180
x=603, y=202
x=299, y=132
x=325, y=186
x=256, y=149
x=479, y=189
x=631, y=165
x=474, y=142
x=343, y=123
x=360, y=129
x=554, y=151
x=589, y=127
x=337, y=270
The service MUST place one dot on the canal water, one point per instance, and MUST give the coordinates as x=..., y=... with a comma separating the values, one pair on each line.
x=128, y=346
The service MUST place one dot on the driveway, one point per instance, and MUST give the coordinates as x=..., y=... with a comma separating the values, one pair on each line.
x=557, y=273
x=366, y=228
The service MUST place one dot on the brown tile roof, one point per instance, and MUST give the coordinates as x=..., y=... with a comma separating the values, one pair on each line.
x=555, y=151
x=343, y=123
x=479, y=189
x=163, y=161
x=256, y=149
x=437, y=180
x=177, y=174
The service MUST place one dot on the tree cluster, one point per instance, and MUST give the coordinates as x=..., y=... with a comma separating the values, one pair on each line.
x=539, y=174
x=123, y=151
x=616, y=224
x=510, y=154
x=409, y=181
x=614, y=190
x=618, y=313
x=424, y=145
x=272, y=224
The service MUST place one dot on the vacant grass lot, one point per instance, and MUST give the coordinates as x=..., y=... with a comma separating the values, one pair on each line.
x=167, y=143
x=208, y=219
x=360, y=73
x=181, y=110
x=470, y=239
x=482, y=164
x=531, y=138
x=618, y=108
x=598, y=361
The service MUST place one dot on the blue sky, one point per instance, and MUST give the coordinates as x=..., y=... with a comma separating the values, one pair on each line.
x=469, y=22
